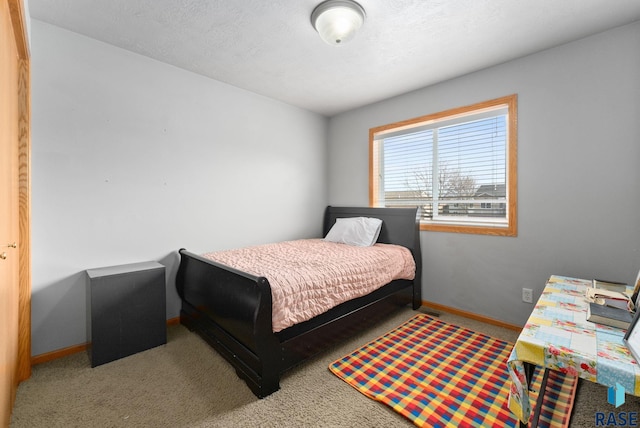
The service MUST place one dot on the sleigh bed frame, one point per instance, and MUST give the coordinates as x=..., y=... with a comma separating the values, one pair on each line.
x=231, y=309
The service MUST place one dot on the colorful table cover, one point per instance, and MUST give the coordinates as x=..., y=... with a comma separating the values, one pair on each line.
x=558, y=336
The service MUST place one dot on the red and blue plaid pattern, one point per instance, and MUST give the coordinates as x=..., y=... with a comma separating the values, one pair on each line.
x=435, y=374
x=558, y=398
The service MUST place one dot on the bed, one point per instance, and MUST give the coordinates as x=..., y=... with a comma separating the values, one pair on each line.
x=232, y=309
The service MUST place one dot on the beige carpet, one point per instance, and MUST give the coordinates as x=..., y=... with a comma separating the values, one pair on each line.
x=186, y=384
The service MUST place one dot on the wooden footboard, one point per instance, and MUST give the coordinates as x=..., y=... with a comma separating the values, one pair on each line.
x=231, y=309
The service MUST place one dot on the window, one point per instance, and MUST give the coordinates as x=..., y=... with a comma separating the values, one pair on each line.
x=459, y=166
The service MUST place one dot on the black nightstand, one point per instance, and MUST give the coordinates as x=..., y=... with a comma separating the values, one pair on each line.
x=126, y=310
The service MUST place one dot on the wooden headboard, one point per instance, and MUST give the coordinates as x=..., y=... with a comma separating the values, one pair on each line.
x=400, y=226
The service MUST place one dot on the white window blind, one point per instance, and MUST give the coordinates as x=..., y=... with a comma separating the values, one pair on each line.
x=455, y=168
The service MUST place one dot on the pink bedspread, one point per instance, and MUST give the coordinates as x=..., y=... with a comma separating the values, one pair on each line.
x=310, y=276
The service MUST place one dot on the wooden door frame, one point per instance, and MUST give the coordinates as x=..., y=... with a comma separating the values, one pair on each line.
x=19, y=21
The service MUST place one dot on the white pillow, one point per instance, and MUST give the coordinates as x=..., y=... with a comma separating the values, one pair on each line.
x=358, y=231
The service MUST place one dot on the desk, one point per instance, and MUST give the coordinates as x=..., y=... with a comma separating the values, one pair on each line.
x=558, y=336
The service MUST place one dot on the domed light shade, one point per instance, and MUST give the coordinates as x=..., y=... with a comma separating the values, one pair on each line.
x=337, y=20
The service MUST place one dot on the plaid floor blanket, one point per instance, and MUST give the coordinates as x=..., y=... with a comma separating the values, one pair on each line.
x=440, y=375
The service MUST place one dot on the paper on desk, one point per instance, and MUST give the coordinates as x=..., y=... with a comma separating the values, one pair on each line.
x=609, y=298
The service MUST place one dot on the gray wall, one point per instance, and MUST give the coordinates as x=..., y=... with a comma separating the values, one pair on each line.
x=134, y=159
x=578, y=173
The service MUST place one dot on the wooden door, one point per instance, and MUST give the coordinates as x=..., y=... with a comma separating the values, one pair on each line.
x=15, y=277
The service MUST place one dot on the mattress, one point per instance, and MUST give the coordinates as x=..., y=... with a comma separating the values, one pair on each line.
x=310, y=276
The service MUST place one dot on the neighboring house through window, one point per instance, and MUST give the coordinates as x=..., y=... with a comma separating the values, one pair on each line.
x=459, y=166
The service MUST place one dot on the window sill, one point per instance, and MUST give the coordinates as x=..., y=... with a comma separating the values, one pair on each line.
x=509, y=230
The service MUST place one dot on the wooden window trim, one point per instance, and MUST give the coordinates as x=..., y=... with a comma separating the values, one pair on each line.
x=511, y=102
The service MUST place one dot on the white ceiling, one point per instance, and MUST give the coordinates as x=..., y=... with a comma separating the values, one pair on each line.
x=269, y=46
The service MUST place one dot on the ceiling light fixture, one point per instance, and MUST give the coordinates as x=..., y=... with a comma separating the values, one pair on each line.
x=337, y=20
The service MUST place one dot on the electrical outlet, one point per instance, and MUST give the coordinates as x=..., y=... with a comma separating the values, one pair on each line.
x=527, y=295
